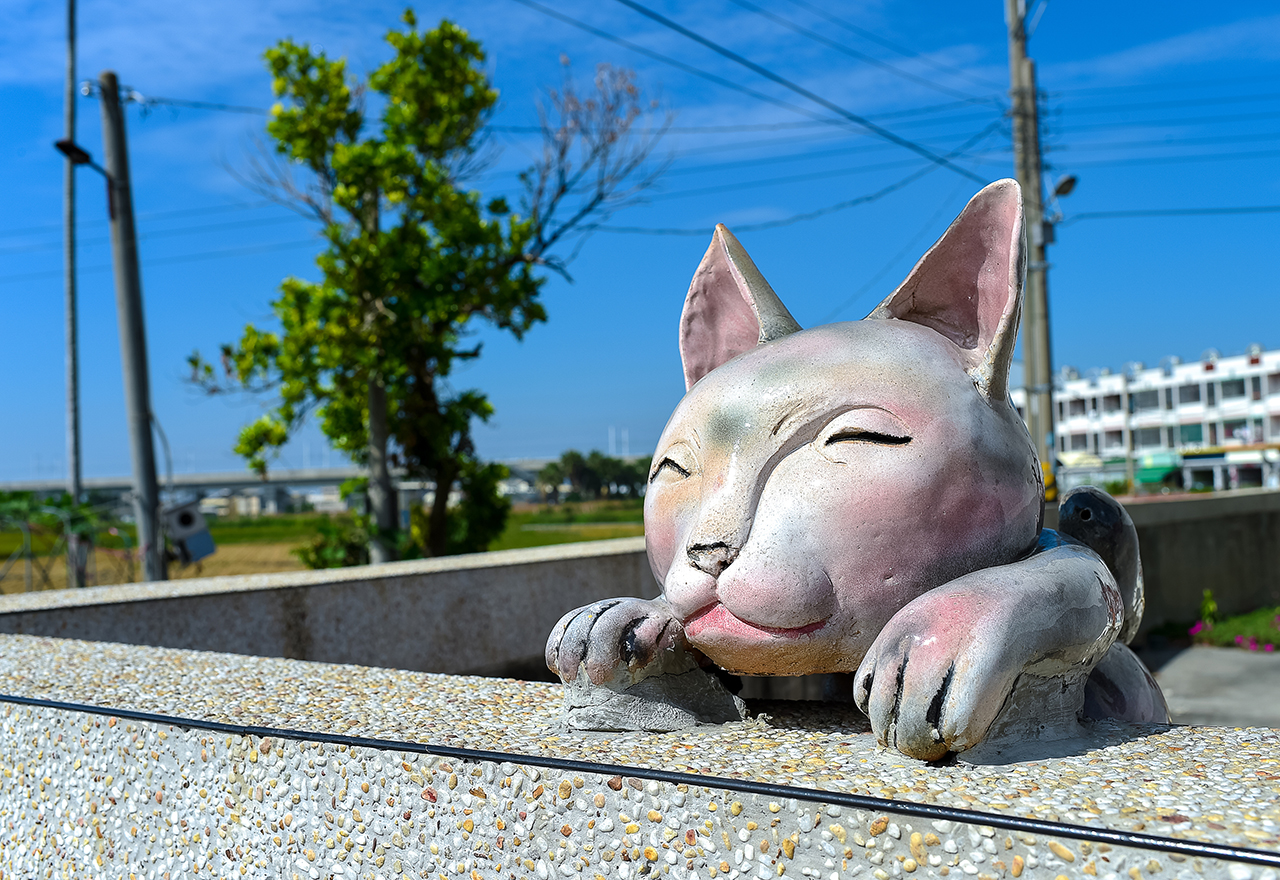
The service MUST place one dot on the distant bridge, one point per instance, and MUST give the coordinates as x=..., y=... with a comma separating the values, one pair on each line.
x=242, y=479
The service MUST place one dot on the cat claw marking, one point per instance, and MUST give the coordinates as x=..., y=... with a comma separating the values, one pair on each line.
x=863, y=497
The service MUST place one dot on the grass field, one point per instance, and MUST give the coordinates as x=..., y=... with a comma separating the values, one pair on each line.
x=262, y=545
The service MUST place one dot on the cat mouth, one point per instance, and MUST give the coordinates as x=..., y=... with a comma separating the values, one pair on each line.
x=716, y=617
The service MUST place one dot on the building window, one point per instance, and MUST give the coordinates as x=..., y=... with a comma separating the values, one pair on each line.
x=1146, y=438
x=1113, y=440
x=1211, y=393
x=1189, y=394
x=1256, y=387
x=1191, y=435
x=1213, y=434
x=1062, y=410
x=1168, y=398
x=1111, y=403
x=1232, y=388
x=1079, y=442
x=1235, y=429
x=1143, y=400
x=1077, y=407
x=1273, y=383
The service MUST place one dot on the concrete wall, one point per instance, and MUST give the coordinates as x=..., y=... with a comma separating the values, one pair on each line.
x=483, y=613
x=490, y=613
x=1228, y=542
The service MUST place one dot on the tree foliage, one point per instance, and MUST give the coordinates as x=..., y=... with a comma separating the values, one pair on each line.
x=594, y=475
x=412, y=259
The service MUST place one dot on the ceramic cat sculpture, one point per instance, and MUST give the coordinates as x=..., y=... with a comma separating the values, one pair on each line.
x=863, y=497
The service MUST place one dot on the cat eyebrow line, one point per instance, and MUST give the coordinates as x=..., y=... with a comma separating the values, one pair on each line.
x=786, y=416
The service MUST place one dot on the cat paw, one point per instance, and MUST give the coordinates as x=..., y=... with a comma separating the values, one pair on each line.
x=619, y=637
x=935, y=678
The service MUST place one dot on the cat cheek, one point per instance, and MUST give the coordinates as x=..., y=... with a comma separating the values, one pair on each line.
x=667, y=520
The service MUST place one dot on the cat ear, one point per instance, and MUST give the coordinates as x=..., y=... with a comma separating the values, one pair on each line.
x=968, y=286
x=730, y=309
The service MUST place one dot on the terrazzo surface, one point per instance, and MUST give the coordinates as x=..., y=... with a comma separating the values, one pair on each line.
x=1207, y=784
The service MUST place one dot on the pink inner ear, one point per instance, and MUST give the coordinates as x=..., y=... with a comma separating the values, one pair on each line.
x=964, y=286
x=718, y=322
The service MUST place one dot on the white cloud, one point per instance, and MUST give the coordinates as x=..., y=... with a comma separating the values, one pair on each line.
x=1249, y=39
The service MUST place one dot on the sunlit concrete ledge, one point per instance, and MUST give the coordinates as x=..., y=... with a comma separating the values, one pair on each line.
x=482, y=612
x=120, y=761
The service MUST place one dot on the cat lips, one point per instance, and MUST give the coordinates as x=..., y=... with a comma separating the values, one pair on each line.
x=717, y=618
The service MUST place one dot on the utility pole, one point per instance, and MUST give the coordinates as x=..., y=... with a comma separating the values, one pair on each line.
x=1036, y=360
x=76, y=554
x=133, y=337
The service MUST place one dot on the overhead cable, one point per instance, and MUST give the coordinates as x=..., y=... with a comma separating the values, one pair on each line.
x=1170, y=212
x=809, y=215
x=847, y=50
x=799, y=90
x=901, y=50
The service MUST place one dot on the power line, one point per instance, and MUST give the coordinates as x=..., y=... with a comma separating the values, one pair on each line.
x=776, y=181
x=1185, y=120
x=1191, y=102
x=808, y=215
x=184, y=258
x=982, y=159
x=166, y=233
x=1160, y=87
x=666, y=59
x=868, y=35
x=778, y=126
x=841, y=135
x=154, y=215
x=1171, y=142
x=1170, y=212
x=893, y=261
x=847, y=50
x=145, y=101
x=800, y=90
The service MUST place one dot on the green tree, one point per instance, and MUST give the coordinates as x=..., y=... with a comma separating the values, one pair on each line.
x=413, y=260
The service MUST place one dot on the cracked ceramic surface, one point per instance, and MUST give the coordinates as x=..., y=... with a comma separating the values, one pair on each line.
x=863, y=497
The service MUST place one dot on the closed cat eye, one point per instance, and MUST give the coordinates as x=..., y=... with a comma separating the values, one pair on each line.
x=665, y=464
x=858, y=436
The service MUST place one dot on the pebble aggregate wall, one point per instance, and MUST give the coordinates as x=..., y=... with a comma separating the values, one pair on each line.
x=260, y=767
x=481, y=613
x=86, y=795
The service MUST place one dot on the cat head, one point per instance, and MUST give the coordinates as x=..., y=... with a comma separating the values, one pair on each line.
x=812, y=482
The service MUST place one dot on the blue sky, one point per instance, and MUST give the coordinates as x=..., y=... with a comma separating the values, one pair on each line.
x=1153, y=106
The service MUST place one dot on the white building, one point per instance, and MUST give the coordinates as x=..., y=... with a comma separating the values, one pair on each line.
x=1213, y=423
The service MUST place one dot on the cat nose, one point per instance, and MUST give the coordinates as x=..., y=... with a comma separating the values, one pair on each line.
x=712, y=558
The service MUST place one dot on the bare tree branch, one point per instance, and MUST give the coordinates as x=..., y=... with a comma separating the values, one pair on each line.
x=594, y=162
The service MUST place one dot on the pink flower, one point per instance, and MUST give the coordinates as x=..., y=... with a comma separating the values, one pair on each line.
x=1268, y=647
x=1197, y=628
x=1239, y=640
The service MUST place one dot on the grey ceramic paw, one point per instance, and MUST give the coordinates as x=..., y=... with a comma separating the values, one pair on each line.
x=658, y=703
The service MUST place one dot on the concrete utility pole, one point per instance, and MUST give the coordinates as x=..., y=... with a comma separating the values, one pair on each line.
x=1036, y=360
x=75, y=552
x=133, y=336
